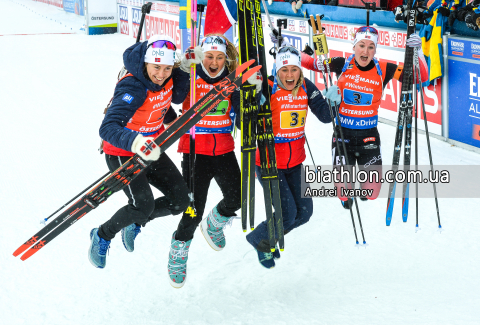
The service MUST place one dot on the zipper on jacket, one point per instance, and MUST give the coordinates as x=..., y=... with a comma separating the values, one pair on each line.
x=290, y=155
x=214, y=143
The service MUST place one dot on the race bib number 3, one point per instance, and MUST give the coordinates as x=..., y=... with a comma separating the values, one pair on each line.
x=353, y=97
x=292, y=119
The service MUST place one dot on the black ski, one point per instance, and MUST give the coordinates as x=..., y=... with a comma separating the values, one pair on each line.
x=404, y=113
x=121, y=177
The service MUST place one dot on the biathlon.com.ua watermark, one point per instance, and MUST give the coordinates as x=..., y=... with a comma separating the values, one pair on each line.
x=459, y=181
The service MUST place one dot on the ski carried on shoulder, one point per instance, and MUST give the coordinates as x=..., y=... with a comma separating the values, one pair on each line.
x=404, y=120
x=121, y=177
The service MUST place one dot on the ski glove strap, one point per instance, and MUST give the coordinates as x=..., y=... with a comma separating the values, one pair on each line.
x=146, y=148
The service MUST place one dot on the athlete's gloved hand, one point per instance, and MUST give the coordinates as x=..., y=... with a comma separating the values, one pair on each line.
x=333, y=93
x=414, y=41
x=274, y=39
x=256, y=79
x=192, y=56
x=145, y=148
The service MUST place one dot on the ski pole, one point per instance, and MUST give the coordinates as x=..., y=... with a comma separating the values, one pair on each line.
x=417, y=64
x=415, y=105
x=43, y=221
x=321, y=48
x=145, y=10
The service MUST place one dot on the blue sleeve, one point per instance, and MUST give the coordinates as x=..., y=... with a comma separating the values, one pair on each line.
x=181, y=85
x=130, y=94
x=317, y=103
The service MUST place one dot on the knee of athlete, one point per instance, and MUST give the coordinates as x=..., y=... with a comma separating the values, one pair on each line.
x=145, y=209
x=305, y=214
x=179, y=208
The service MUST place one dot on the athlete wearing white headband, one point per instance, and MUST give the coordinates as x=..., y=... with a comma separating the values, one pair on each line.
x=366, y=33
x=160, y=50
x=287, y=55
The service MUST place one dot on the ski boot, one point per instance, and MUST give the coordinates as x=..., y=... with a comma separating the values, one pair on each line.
x=212, y=229
x=97, y=254
x=129, y=234
x=266, y=259
x=177, y=262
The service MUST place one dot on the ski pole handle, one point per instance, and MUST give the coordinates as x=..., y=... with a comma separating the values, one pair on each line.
x=145, y=10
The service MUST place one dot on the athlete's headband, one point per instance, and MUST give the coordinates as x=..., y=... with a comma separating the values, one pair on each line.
x=160, y=50
x=214, y=43
x=287, y=55
x=366, y=33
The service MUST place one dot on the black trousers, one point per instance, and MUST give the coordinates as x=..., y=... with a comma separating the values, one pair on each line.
x=142, y=207
x=226, y=172
x=363, y=149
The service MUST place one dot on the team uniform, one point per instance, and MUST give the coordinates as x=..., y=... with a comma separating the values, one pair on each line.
x=362, y=91
x=141, y=107
x=289, y=116
x=215, y=157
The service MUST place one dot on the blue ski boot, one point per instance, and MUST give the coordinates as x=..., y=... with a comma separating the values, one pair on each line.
x=177, y=262
x=266, y=259
x=97, y=254
x=212, y=229
x=129, y=234
x=276, y=254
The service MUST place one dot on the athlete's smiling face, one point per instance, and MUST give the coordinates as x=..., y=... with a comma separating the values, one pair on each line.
x=214, y=61
x=289, y=76
x=364, y=52
x=159, y=72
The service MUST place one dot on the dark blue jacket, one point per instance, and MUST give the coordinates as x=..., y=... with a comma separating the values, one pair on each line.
x=120, y=111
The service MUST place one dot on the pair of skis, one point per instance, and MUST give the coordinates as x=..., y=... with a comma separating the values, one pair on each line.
x=257, y=125
x=126, y=173
x=404, y=122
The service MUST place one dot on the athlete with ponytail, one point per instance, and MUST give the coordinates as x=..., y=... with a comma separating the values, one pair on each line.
x=291, y=96
x=140, y=108
x=214, y=156
x=359, y=92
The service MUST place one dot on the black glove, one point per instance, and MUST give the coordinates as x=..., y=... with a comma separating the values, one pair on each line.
x=444, y=11
x=308, y=50
x=452, y=18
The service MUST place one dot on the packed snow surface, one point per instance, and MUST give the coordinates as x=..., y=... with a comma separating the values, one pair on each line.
x=54, y=88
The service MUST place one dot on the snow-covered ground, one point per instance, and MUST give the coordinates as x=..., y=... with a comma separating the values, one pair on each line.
x=54, y=88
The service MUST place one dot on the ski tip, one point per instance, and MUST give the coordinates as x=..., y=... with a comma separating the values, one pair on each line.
x=439, y=226
x=21, y=249
x=282, y=249
x=252, y=228
x=243, y=66
x=244, y=230
x=272, y=249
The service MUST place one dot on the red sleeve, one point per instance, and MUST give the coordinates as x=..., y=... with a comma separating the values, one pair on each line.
x=308, y=62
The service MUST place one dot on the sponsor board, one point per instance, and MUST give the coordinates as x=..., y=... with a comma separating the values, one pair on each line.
x=464, y=92
x=137, y=3
x=136, y=18
x=74, y=6
x=464, y=48
x=165, y=26
x=56, y=3
x=123, y=16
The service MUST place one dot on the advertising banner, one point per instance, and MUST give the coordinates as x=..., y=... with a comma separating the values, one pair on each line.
x=123, y=16
x=136, y=18
x=464, y=90
x=74, y=6
x=101, y=17
x=56, y=3
x=164, y=19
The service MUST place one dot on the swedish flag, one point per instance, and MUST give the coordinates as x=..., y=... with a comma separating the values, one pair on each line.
x=185, y=14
